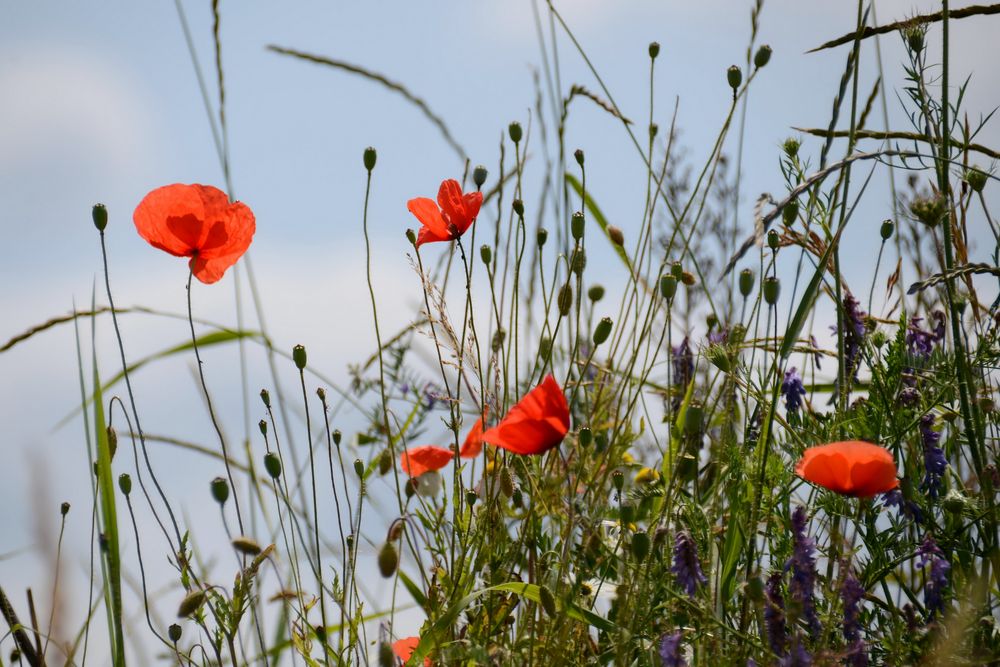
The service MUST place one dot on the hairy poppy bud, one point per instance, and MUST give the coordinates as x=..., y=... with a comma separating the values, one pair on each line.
x=735, y=77
x=791, y=147
x=262, y=425
x=479, y=175
x=112, y=441
x=100, y=215
x=518, y=207
x=125, y=483
x=578, y=154
x=411, y=236
x=395, y=530
x=64, y=509
x=359, y=468
x=762, y=57
x=265, y=396
x=676, y=270
x=602, y=331
x=486, y=254
x=369, y=158
x=790, y=213
x=514, y=130
x=585, y=436
x=746, y=282
x=668, y=287
x=246, y=545
x=886, y=230
x=272, y=464
x=547, y=600
x=220, y=490
x=640, y=546
x=191, y=602
x=654, y=50
x=976, y=179
x=616, y=236
x=618, y=480
x=336, y=437
x=388, y=559
x=321, y=392
x=688, y=278
x=576, y=225
x=578, y=261
x=299, y=356
x=384, y=462
x=565, y=299
x=595, y=293
x=541, y=236
x=773, y=240
x=772, y=288
x=174, y=632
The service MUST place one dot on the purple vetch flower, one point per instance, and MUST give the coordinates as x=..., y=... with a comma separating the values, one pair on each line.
x=909, y=396
x=774, y=614
x=718, y=336
x=683, y=364
x=853, y=593
x=907, y=508
x=797, y=657
x=670, y=650
x=919, y=343
x=792, y=390
x=854, y=333
x=935, y=463
x=803, y=567
x=686, y=566
x=930, y=553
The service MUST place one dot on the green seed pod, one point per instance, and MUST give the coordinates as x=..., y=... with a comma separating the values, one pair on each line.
x=585, y=436
x=518, y=207
x=640, y=546
x=265, y=396
x=618, y=480
x=369, y=158
x=735, y=77
x=602, y=331
x=411, y=236
x=174, y=632
x=506, y=482
x=299, y=357
x=220, y=490
x=886, y=230
x=479, y=175
x=388, y=559
x=191, y=602
x=790, y=213
x=514, y=130
x=976, y=178
x=125, y=483
x=336, y=437
x=791, y=147
x=773, y=240
x=545, y=347
x=694, y=419
x=548, y=600
x=762, y=57
x=384, y=462
x=578, y=261
x=576, y=225
x=410, y=487
x=772, y=288
x=616, y=235
x=746, y=282
x=654, y=129
x=272, y=464
x=262, y=425
x=246, y=545
x=595, y=293
x=668, y=287
x=386, y=658
x=499, y=336
x=676, y=270
x=578, y=154
x=359, y=468
x=654, y=50
x=565, y=299
x=486, y=254
x=100, y=215
x=471, y=498
x=541, y=236
x=64, y=509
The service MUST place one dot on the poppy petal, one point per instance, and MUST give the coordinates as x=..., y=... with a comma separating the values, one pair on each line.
x=434, y=227
x=170, y=218
x=417, y=460
x=405, y=647
x=473, y=442
x=451, y=203
x=853, y=468
x=536, y=424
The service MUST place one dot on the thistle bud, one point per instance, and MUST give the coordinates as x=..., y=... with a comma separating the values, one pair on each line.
x=514, y=130
x=174, y=632
x=791, y=147
x=640, y=546
x=272, y=464
x=369, y=158
x=384, y=462
x=518, y=207
x=719, y=357
x=772, y=288
x=100, y=215
x=616, y=236
x=886, y=230
x=602, y=331
x=578, y=154
x=336, y=437
x=735, y=77
x=411, y=236
x=125, y=483
x=479, y=175
x=762, y=57
x=790, y=213
x=585, y=436
x=576, y=225
x=64, y=509
x=190, y=603
x=668, y=287
x=388, y=559
x=746, y=282
x=265, y=396
x=676, y=270
x=565, y=299
x=359, y=468
x=220, y=490
x=976, y=179
x=541, y=236
x=547, y=600
x=486, y=254
x=595, y=293
x=654, y=50
x=299, y=357
x=246, y=545
x=915, y=37
x=578, y=261
x=773, y=240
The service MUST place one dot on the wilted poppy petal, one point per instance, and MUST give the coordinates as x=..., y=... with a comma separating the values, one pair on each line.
x=434, y=227
x=536, y=424
x=853, y=468
x=418, y=460
x=473, y=442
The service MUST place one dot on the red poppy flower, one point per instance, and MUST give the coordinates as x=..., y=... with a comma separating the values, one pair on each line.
x=417, y=460
x=473, y=442
x=851, y=468
x=536, y=424
x=450, y=217
x=196, y=221
x=405, y=647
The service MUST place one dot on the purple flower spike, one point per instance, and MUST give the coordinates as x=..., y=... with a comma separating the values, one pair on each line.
x=854, y=333
x=803, y=566
x=853, y=593
x=670, y=650
x=930, y=553
x=792, y=390
x=774, y=614
x=686, y=566
x=935, y=463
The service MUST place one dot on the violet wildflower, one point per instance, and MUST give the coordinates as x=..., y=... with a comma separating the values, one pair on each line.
x=683, y=367
x=907, y=508
x=853, y=593
x=934, y=460
x=774, y=614
x=670, y=650
x=798, y=657
x=854, y=333
x=909, y=396
x=719, y=336
x=792, y=390
x=930, y=553
x=803, y=566
x=686, y=566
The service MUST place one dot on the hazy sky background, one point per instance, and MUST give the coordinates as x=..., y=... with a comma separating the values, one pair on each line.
x=100, y=103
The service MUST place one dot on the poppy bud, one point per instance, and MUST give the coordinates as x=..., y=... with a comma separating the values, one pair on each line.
x=64, y=509
x=514, y=130
x=576, y=225
x=174, y=632
x=791, y=147
x=547, y=600
x=395, y=530
x=771, y=290
x=541, y=236
x=762, y=57
x=321, y=393
x=410, y=488
x=411, y=236
x=640, y=546
x=112, y=441
x=676, y=270
x=471, y=498
x=359, y=468
x=578, y=261
x=518, y=206
x=602, y=331
x=565, y=299
x=369, y=158
x=746, y=282
x=773, y=240
x=654, y=129
x=618, y=480
x=384, y=462
x=886, y=230
x=578, y=154
x=265, y=396
x=596, y=293
x=585, y=436
x=668, y=287
x=479, y=175
x=220, y=490
x=299, y=356
x=125, y=483
x=735, y=77
x=336, y=437
x=100, y=215
x=486, y=254
x=498, y=338
x=616, y=236
x=506, y=482
x=388, y=559
x=246, y=545
x=190, y=603
x=688, y=278
x=272, y=464
x=976, y=179
x=654, y=50
x=790, y=213
x=694, y=419
x=262, y=425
